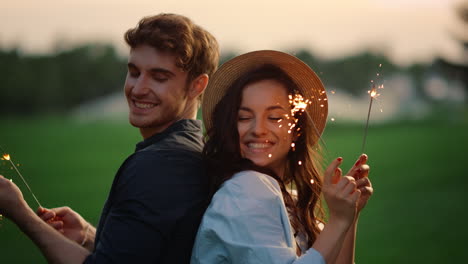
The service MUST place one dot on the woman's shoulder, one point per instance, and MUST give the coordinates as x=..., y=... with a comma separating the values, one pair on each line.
x=242, y=196
x=251, y=184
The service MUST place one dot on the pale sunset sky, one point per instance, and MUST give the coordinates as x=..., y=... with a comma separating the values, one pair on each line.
x=406, y=30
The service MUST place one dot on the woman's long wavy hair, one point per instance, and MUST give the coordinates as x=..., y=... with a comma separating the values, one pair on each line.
x=223, y=156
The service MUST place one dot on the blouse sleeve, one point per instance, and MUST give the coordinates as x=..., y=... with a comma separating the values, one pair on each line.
x=247, y=222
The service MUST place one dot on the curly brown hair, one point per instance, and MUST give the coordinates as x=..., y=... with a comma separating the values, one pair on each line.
x=196, y=50
x=223, y=156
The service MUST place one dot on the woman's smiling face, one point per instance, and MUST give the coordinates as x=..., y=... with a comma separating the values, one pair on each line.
x=264, y=122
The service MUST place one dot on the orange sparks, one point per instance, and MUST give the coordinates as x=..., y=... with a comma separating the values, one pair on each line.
x=269, y=155
x=298, y=103
x=332, y=119
x=293, y=145
x=373, y=93
x=333, y=91
x=6, y=156
x=312, y=181
x=299, y=162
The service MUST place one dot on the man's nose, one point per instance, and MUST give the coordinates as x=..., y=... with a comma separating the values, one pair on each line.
x=141, y=86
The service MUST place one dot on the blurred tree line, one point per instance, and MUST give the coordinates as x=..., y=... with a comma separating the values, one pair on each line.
x=36, y=84
x=458, y=70
x=58, y=82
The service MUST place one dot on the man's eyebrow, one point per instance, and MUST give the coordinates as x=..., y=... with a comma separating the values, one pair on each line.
x=153, y=70
x=162, y=70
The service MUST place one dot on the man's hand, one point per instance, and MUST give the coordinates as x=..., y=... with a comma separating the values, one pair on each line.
x=12, y=202
x=68, y=222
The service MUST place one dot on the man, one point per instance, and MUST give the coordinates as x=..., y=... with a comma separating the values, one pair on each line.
x=158, y=195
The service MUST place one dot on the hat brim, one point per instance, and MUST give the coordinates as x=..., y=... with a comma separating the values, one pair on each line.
x=308, y=82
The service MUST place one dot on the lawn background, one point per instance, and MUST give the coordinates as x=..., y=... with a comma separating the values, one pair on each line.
x=417, y=214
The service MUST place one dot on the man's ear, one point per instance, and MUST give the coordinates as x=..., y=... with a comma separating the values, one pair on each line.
x=198, y=85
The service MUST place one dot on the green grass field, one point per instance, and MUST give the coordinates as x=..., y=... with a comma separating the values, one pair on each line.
x=417, y=214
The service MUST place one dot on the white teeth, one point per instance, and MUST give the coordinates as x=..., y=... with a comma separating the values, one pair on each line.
x=258, y=145
x=143, y=105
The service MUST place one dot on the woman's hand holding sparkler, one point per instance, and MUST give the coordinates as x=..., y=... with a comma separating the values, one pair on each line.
x=360, y=172
x=71, y=224
x=341, y=195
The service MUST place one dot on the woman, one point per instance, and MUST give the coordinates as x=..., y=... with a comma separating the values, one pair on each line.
x=264, y=112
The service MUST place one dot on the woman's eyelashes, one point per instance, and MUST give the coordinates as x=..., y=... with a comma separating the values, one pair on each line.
x=273, y=118
x=241, y=118
x=276, y=119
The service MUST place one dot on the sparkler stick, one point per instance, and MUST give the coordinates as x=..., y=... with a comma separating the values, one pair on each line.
x=6, y=156
x=373, y=93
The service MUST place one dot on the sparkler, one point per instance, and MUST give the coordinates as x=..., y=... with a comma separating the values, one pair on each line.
x=373, y=94
x=7, y=157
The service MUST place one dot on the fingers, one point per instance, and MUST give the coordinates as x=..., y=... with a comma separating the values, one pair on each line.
x=355, y=196
x=337, y=176
x=62, y=211
x=362, y=160
x=58, y=225
x=365, y=187
x=361, y=172
x=348, y=184
x=367, y=191
x=363, y=182
x=333, y=172
x=47, y=215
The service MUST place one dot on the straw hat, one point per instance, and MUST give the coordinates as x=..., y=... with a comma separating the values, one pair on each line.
x=305, y=78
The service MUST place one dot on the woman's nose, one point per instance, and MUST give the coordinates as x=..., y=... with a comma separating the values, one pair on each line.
x=259, y=128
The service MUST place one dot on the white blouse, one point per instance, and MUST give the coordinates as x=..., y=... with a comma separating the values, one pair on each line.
x=247, y=222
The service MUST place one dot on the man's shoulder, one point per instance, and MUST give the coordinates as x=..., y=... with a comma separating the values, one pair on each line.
x=178, y=142
x=171, y=156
